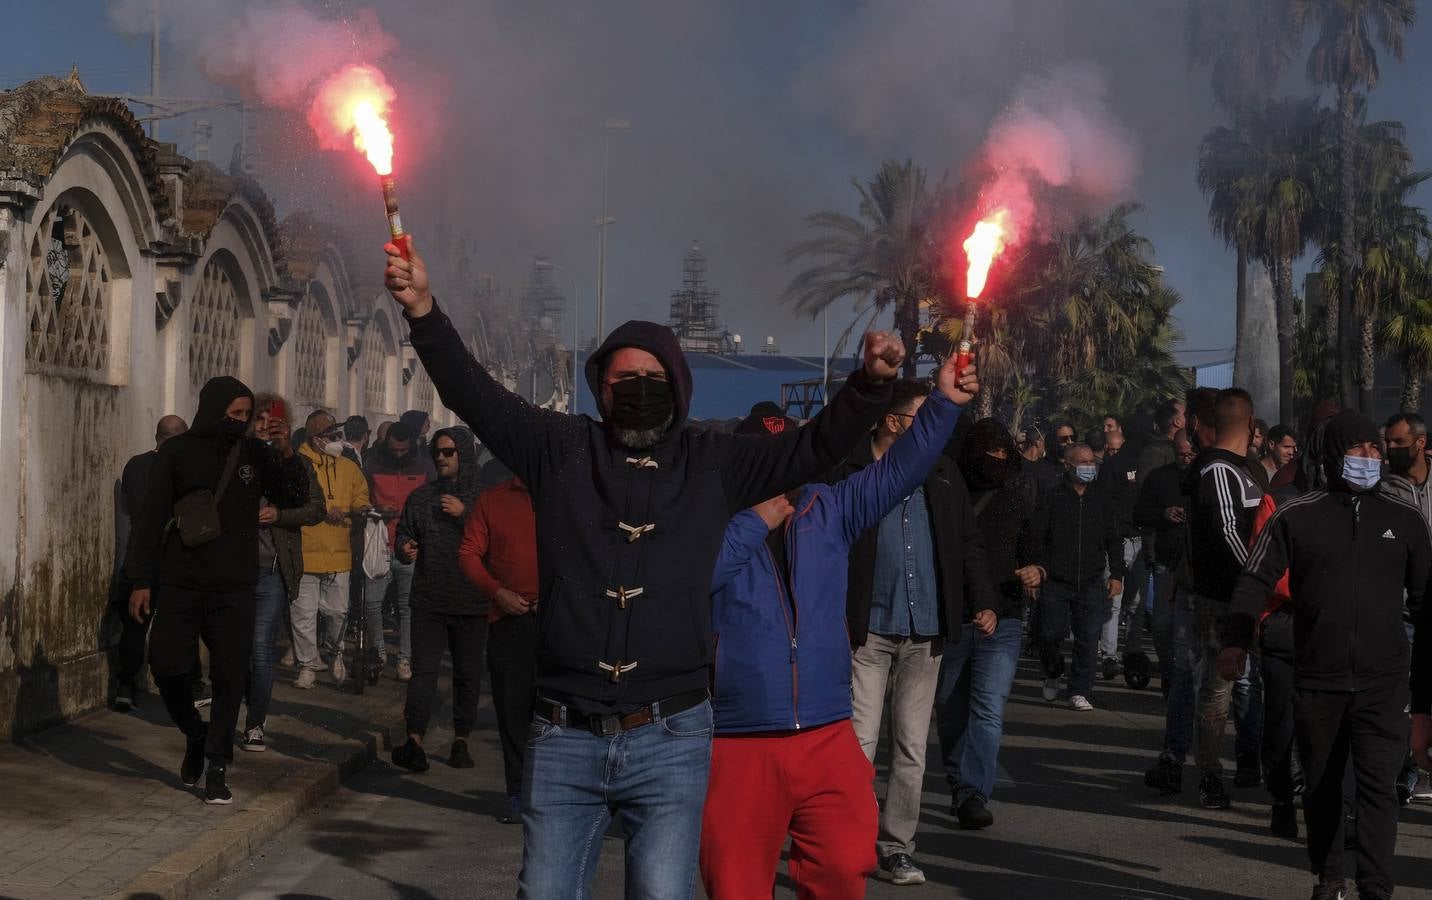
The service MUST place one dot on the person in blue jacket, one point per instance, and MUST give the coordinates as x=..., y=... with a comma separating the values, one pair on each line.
x=785, y=760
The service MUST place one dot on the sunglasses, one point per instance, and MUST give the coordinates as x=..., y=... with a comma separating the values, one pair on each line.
x=334, y=435
x=446, y=452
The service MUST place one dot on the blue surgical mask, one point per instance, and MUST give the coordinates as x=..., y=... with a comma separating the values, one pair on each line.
x=1086, y=474
x=1361, y=472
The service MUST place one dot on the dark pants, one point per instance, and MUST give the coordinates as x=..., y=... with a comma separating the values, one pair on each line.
x=463, y=637
x=225, y=621
x=1370, y=727
x=129, y=653
x=512, y=665
x=1082, y=610
x=1280, y=766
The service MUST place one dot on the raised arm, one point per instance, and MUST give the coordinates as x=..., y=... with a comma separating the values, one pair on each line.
x=517, y=432
x=311, y=512
x=869, y=494
x=745, y=535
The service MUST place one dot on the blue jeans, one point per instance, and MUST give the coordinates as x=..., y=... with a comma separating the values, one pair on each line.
x=975, y=678
x=1178, y=656
x=270, y=597
x=1082, y=610
x=401, y=577
x=653, y=778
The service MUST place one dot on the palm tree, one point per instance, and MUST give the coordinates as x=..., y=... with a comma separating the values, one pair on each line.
x=1263, y=178
x=884, y=258
x=1345, y=58
x=1408, y=330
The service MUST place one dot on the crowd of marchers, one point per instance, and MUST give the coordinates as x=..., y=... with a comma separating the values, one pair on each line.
x=734, y=615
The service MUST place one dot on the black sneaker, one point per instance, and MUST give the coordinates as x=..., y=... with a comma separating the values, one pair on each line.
x=458, y=757
x=216, y=792
x=193, y=766
x=899, y=868
x=512, y=810
x=410, y=756
x=254, y=740
x=123, y=699
x=1211, y=792
x=1330, y=890
x=1166, y=777
x=1249, y=774
x=974, y=814
x=1284, y=822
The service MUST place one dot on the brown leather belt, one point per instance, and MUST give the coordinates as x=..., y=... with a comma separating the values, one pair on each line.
x=562, y=714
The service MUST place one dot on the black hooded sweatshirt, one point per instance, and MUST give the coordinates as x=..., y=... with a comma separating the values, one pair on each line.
x=195, y=461
x=1004, y=497
x=627, y=539
x=1349, y=556
x=438, y=585
x=1223, y=500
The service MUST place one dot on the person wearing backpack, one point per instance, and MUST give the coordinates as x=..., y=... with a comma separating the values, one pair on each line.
x=193, y=558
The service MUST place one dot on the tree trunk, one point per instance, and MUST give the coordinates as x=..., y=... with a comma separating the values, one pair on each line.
x=1254, y=368
x=1366, y=365
x=984, y=403
x=1347, y=251
x=1283, y=289
x=1411, y=390
x=907, y=324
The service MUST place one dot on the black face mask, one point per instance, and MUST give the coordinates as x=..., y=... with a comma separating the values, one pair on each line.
x=641, y=403
x=993, y=469
x=232, y=429
x=1399, y=460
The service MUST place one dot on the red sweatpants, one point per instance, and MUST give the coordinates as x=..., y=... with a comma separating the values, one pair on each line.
x=813, y=785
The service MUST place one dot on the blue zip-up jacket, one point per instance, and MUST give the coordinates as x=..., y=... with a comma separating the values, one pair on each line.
x=784, y=664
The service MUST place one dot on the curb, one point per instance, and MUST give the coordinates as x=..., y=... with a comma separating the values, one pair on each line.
x=183, y=874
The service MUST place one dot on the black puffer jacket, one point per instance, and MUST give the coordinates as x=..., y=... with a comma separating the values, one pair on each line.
x=627, y=540
x=1076, y=537
x=1349, y=557
x=195, y=461
x=438, y=585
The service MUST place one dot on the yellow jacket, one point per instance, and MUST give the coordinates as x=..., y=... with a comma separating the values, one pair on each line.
x=326, y=548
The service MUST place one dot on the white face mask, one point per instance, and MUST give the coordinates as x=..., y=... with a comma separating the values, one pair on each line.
x=1361, y=472
x=333, y=448
x=1086, y=473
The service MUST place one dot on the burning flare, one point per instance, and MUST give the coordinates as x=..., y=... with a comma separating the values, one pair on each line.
x=353, y=105
x=982, y=246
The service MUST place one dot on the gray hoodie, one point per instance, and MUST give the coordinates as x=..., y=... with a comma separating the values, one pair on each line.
x=1419, y=495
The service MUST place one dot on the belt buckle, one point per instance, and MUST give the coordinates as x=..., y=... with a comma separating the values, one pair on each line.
x=606, y=726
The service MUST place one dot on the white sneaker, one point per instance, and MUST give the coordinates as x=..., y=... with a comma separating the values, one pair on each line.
x=1051, y=689
x=1080, y=702
x=306, y=679
x=339, y=671
x=287, y=659
x=1422, y=792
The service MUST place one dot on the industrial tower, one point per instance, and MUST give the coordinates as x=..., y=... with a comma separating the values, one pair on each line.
x=695, y=315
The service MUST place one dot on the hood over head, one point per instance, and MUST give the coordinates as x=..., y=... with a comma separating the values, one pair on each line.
x=1345, y=430
x=415, y=419
x=981, y=470
x=465, y=485
x=659, y=341
x=214, y=399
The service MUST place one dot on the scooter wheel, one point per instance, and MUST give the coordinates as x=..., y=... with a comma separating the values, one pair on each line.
x=1138, y=672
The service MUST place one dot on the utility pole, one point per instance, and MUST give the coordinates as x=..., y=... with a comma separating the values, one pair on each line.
x=154, y=66
x=609, y=125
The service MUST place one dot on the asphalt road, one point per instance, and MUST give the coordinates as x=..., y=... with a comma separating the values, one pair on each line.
x=1073, y=821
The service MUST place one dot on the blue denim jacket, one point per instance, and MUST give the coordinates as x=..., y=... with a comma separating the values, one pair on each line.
x=904, y=597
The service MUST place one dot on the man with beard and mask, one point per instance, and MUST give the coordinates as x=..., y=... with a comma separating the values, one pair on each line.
x=912, y=579
x=449, y=612
x=1407, y=463
x=1353, y=555
x=327, y=553
x=1077, y=541
x=200, y=584
x=630, y=517
x=786, y=761
x=978, y=667
x=395, y=470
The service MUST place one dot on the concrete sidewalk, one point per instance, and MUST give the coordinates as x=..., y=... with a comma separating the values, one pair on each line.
x=95, y=808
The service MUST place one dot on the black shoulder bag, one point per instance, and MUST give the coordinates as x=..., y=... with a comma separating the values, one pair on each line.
x=196, y=514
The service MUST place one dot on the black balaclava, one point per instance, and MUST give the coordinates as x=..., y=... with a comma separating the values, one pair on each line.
x=214, y=399
x=982, y=471
x=1345, y=430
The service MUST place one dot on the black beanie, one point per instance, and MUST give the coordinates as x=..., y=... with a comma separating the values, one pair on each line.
x=766, y=418
x=1345, y=430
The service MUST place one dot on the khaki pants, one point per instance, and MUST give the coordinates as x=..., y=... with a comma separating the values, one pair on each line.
x=910, y=668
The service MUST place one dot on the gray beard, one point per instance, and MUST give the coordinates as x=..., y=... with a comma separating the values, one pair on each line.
x=644, y=438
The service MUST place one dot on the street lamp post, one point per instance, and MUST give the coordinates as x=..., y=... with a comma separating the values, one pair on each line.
x=609, y=125
x=576, y=320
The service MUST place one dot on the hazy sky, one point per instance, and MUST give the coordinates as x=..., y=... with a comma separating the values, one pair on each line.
x=746, y=115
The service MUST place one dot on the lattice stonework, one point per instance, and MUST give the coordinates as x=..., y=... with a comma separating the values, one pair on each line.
x=422, y=389
x=214, y=344
x=375, y=370
x=310, y=353
x=68, y=290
